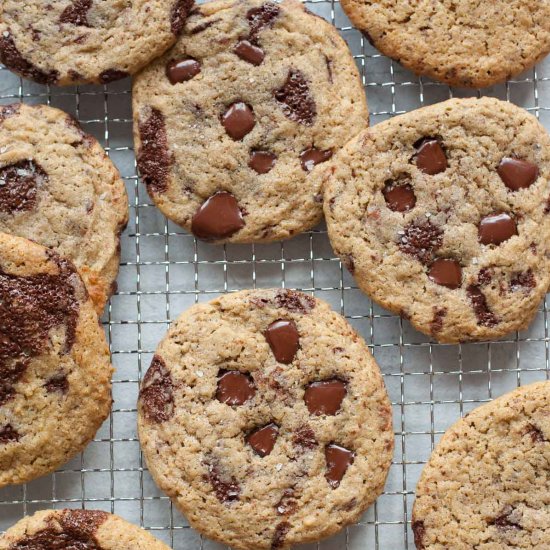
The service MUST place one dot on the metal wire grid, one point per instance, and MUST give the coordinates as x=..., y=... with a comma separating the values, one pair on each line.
x=164, y=270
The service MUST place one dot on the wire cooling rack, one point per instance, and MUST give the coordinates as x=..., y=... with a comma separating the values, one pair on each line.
x=165, y=270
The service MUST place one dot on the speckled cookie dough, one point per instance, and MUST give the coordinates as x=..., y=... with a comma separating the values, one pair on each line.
x=68, y=42
x=265, y=418
x=78, y=530
x=55, y=373
x=59, y=188
x=232, y=122
x=443, y=216
x=470, y=43
x=487, y=484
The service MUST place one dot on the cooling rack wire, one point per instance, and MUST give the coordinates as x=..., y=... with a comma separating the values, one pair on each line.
x=165, y=270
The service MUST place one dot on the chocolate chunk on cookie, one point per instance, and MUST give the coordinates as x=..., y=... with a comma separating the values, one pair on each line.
x=444, y=213
x=55, y=373
x=269, y=429
x=229, y=130
x=499, y=456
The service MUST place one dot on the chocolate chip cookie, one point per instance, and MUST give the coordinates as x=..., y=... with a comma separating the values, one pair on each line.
x=443, y=216
x=59, y=188
x=70, y=42
x=265, y=418
x=471, y=43
x=232, y=122
x=487, y=483
x=78, y=530
x=55, y=373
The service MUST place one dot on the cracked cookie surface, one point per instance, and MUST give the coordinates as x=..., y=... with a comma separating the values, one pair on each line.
x=77, y=529
x=487, y=484
x=55, y=372
x=70, y=42
x=232, y=122
x=443, y=216
x=265, y=418
x=59, y=189
x=471, y=43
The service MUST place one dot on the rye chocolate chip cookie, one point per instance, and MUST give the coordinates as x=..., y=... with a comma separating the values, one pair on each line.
x=231, y=123
x=487, y=483
x=59, y=188
x=77, y=530
x=470, y=43
x=265, y=418
x=443, y=216
x=55, y=373
x=67, y=42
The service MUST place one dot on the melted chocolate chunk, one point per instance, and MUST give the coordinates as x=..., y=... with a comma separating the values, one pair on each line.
x=262, y=161
x=8, y=434
x=77, y=13
x=283, y=339
x=430, y=156
x=537, y=436
x=11, y=57
x=484, y=315
x=338, y=459
x=295, y=99
x=203, y=26
x=485, y=276
x=178, y=15
x=437, y=322
x=261, y=18
x=279, y=536
x=294, y=301
x=421, y=239
x=218, y=217
x=348, y=262
x=446, y=272
x=156, y=395
x=399, y=197
x=19, y=184
x=304, y=437
x=523, y=281
x=505, y=521
x=263, y=439
x=238, y=120
x=227, y=488
x=110, y=75
x=249, y=52
x=154, y=157
x=11, y=374
x=325, y=397
x=496, y=229
x=7, y=111
x=182, y=70
x=312, y=157
x=517, y=174
x=57, y=384
x=419, y=531
x=234, y=387
x=288, y=504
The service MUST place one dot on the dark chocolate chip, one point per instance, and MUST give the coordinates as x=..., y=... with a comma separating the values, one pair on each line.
x=11, y=57
x=262, y=161
x=235, y=388
x=446, y=272
x=399, y=197
x=430, y=156
x=328, y=62
x=203, y=26
x=338, y=459
x=218, y=217
x=156, y=395
x=523, y=281
x=295, y=99
x=77, y=13
x=279, y=535
x=182, y=70
x=312, y=157
x=110, y=75
x=57, y=384
x=7, y=111
x=263, y=439
x=496, y=228
x=294, y=301
x=261, y=18
x=485, y=276
x=283, y=339
x=11, y=374
x=348, y=262
x=537, y=436
x=8, y=435
x=238, y=120
x=484, y=315
x=437, y=321
x=325, y=397
x=421, y=239
x=517, y=174
x=19, y=184
x=419, y=531
x=288, y=504
x=505, y=521
x=227, y=488
x=304, y=437
x=178, y=15
x=154, y=158
x=249, y=52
